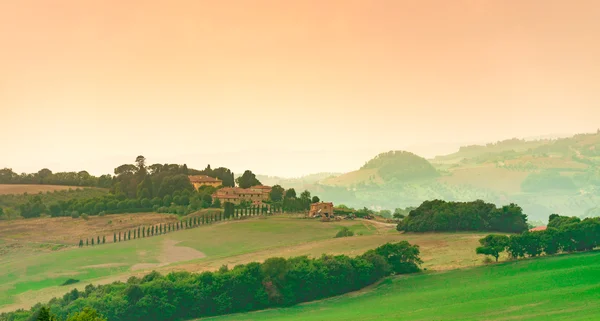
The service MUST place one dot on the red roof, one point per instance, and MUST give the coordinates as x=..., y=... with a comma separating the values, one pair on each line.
x=538, y=228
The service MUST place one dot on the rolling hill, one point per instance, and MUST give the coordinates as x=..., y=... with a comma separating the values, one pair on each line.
x=543, y=176
x=563, y=287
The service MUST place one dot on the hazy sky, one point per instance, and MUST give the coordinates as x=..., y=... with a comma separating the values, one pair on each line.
x=267, y=85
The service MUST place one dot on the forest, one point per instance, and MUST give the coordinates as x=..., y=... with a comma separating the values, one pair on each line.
x=442, y=216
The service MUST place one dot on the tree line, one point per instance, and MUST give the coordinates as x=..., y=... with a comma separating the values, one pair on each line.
x=229, y=213
x=442, y=216
x=277, y=282
x=563, y=234
x=46, y=176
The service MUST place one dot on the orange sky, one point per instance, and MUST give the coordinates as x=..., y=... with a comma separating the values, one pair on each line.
x=92, y=84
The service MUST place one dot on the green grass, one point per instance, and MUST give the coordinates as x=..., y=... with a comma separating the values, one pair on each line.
x=565, y=287
x=30, y=271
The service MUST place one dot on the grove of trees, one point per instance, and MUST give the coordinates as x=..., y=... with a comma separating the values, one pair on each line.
x=275, y=283
x=563, y=234
x=438, y=216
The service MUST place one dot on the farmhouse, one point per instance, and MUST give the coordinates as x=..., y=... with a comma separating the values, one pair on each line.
x=203, y=180
x=322, y=208
x=255, y=195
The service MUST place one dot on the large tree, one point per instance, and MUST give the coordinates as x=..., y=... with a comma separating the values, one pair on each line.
x=248, y=179
x=276, y=193
x=493, y=245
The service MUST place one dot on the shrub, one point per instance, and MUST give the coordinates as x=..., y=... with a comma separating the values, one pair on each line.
x=344, y=232
x=70, y=281
x=102, y=213
x=85, y=216
x=75, y=214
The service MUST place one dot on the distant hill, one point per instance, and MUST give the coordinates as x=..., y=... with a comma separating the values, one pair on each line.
x=543, y=176
x=298, y=183
x=393, y=166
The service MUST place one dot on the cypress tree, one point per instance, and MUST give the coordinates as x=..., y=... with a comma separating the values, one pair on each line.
x=148, y=232
x=114, y=237
x=98, y=240
x=87, y=242
x=92, y=241
x=80, y=243
x=138, y=235
x=119, y=236
x=152, y=230
x=103, y=239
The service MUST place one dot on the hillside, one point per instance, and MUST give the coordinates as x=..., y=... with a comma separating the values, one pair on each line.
x=34, y=265
x=390, y=167
x=563, y=287
x=543, y=176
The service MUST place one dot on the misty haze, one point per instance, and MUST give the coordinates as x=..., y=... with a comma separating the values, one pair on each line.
x=299, y=160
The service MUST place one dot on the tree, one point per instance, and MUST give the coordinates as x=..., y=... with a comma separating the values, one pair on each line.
x=87, y=314
x=80, y=243
x=114, y=237
x=98, y=240
x=315, y=199
x=45, y=315
x=247, y=180
x=276, y=193
x=103, y=239
x=493, y=245
x=290, y=193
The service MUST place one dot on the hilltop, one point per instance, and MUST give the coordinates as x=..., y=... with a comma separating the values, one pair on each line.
x=393, y=166
x=543, y=176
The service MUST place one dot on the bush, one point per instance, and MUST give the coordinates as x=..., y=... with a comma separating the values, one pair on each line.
x=102, y=213
x=70, y=281
x=85, y=216
x=344, y=232
x=75, y=214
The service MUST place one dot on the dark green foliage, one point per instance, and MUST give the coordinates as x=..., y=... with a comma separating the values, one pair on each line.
x=275, y=283
x=92, y=241
x=493, y=245
x=315, y=199
x=557, y=221
x=344, y=232
x=440, y=216
x=276, y=193
x=576, y=236
x=247, y=180
x=44, y=314
x=114, y=237
x=87, y=242
x=98, y=240
x=70, y=281
x=103, y=239
x=87, y=314
x=80, y=243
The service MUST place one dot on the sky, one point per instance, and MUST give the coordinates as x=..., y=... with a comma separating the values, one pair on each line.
x=287, y=87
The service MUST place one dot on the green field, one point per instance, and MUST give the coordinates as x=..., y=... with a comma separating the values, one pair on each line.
x=28, y=277
x=565, y=287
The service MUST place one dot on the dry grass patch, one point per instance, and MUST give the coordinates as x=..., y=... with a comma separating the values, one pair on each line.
x=32, y=188
x=66, y=230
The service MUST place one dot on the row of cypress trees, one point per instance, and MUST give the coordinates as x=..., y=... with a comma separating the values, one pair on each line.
x=230, y=212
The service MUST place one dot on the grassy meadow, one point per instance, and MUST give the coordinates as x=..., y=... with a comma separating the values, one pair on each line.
x=564, y=287
x=28, y=275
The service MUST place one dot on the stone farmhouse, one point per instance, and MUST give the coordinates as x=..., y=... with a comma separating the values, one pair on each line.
x=254, y=195
x=203, y=180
